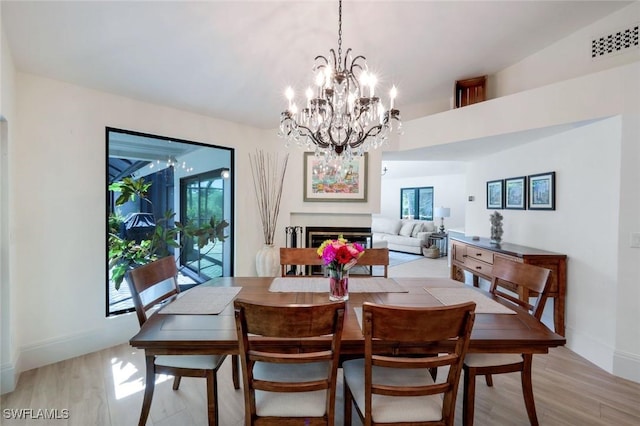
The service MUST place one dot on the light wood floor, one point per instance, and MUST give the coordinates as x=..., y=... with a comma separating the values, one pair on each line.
x=105, y=388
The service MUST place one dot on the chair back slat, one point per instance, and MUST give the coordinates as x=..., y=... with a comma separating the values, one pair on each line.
x=158, y=279
x=518, y=282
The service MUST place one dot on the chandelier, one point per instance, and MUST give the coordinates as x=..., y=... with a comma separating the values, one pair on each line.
x=339, y=119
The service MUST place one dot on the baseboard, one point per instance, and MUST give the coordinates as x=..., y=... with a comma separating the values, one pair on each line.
x=627, y=366
x=70, y=346
x=592, y=350
x=8, y=378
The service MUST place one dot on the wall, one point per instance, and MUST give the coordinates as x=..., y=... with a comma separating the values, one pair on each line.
x=59, y=210
x=612, y=94
x=8, y=313
x=449, y=190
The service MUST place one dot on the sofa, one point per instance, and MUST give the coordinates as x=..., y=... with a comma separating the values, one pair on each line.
x=406, y=235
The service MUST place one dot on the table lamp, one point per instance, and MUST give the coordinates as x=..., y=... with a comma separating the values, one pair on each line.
x=441, y=212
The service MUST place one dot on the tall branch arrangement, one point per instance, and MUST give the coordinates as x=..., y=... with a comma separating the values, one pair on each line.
x=268, y=177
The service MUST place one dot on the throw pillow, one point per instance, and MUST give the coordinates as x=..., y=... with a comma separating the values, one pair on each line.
x=406, y=229
x=417, y=228
x=429, y=227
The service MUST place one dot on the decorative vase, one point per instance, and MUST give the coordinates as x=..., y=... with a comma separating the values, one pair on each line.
x=338, y=284
x=268, y=261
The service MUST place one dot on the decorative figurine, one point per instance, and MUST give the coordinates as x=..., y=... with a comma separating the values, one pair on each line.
x=496, y=228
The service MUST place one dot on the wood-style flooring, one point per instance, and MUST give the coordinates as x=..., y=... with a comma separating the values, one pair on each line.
x=105, y=389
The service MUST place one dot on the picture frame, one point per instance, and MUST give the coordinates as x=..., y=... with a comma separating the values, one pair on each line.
x=495, y=194
x=340, y=181
x=542, y=191
x=515, y=193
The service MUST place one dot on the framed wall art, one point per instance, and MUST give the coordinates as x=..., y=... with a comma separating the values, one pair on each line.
x=542, y=191
x=337, y=181
x=495, y=194
x=515, y=193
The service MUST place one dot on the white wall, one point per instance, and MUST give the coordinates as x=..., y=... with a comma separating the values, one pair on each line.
x=583, y=226
x=449, y=190
x=8, y=312
x=585, y=101
x=59, y=210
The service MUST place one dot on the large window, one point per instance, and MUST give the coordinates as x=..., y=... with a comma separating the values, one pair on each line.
x=416, y=203
x=183, y=181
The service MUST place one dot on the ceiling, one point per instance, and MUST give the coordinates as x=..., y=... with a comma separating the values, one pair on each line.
x=233, y=59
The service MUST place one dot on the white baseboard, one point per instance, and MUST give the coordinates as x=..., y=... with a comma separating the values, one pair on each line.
x=8, y=378
x=59, y=349
x=627, y=366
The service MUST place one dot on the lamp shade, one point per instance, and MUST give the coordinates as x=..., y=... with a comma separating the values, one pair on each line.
x=441, y=212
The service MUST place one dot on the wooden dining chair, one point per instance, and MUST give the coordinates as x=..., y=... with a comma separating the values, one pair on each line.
x=392, y=388
x=150, y=285
x=291, y=386
x=298, y=257
x=375, y=257
x=309, y=257
x=516, y=283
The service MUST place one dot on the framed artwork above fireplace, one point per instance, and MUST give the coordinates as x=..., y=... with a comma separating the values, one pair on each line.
x=339, y=181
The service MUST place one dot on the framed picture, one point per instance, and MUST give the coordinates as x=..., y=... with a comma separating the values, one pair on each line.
x=336, y=181
x=495, y=194
x=542, y=191
x=515, y=193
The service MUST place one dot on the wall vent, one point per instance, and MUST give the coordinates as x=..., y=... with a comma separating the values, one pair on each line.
x=615, y=43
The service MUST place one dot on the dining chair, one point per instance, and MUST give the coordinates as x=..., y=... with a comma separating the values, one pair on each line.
x=156, y=283
x=516, y=283
x=392, y=387
x=298, y=256
x=309, y=257
x=285, y=387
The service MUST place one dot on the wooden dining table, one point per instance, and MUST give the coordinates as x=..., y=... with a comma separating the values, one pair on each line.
x=188, y=333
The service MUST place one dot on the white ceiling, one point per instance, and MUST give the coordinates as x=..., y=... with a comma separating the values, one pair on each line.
x=233, y=59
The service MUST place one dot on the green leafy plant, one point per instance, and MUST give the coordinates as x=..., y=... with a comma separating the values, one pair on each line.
x=126, y=254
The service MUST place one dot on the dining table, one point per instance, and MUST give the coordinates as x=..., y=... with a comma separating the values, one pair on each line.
x=201, y=320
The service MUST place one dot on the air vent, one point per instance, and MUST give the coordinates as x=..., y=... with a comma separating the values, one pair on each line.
x=613, y=44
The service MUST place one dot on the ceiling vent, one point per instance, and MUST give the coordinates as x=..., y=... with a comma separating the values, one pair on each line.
x=613, y=44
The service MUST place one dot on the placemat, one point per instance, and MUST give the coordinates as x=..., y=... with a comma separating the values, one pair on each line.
x=202, y=300
x=321, y=285
x=454, y=296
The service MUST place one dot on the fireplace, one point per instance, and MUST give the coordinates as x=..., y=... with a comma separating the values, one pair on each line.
x=316, y=235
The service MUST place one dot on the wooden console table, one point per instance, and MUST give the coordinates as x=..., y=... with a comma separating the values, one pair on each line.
x=476, y=257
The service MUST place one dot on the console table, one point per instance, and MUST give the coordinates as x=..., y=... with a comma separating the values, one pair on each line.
x=476, y=257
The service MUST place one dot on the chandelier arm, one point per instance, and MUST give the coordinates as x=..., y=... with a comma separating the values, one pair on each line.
x=313, y=136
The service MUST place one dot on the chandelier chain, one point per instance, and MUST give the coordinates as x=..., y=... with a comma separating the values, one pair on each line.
x=340, y=32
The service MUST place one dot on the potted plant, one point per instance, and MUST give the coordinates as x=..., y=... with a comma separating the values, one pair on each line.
x=166, y=234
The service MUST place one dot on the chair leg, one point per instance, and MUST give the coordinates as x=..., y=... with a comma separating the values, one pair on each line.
x=176, y=382
x=348, y=404
x=149, y=384
x=212, y=398
x=468, y=397
x=488, y=379
x=235, y=367
x=527, y=390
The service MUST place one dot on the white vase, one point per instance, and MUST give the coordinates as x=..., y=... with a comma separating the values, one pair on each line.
x=268, y=261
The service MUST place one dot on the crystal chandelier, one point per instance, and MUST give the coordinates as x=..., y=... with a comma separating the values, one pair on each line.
x=339, y=119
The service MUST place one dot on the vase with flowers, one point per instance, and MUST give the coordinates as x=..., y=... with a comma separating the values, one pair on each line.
x=339, y=256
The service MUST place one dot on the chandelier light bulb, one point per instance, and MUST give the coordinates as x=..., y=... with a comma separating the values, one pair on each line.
x=392, y=95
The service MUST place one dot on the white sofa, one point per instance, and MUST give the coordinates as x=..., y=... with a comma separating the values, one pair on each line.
x=406, y=235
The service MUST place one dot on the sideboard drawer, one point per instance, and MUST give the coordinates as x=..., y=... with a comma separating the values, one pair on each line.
x=480, y=268
x=480, y=254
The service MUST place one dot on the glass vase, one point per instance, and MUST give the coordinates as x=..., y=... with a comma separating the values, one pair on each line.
x=338, y=284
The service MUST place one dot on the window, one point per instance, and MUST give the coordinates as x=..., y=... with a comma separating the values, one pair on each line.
x=166, y=165
x=416, y=203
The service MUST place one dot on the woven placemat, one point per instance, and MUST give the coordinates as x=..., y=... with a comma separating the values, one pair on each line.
x=453, y=296
x=202, y=300
x=321, y=285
